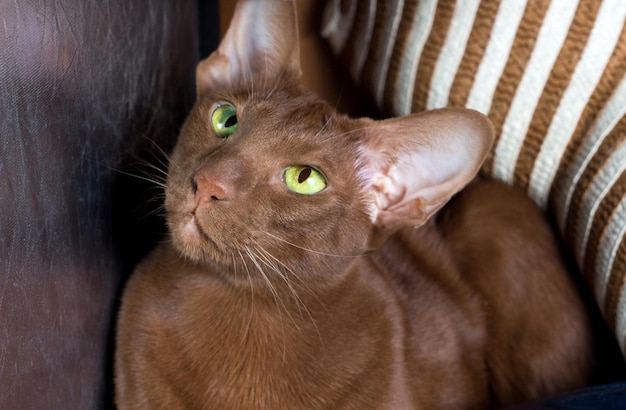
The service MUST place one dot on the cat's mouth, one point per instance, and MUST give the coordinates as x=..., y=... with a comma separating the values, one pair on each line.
x=189, y=230
x=195, y=224
x=197, y=233
x=197, y=241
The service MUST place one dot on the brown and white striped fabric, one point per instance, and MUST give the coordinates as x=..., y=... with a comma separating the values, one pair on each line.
x=550, y=75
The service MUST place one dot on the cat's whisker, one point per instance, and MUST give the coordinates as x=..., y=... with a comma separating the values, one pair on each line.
x=300, y=303
x=262, y=259
x=311, y=250
x=287, y=269
x=252, y=258
x=158, y=197
x=159, y=160
x=245, y=266
x=166, y=240
x=266, y=278
x=267, y=262
x=162, y=153
x=157, y=194
x=157, y=212
x=143, y=178
x=271, y=262
x=275, y=295
x=152, y=205
x=147, y=177
x=160, y=169
x=140, y=169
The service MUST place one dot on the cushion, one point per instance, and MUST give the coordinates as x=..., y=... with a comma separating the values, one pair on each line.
x=549, y=74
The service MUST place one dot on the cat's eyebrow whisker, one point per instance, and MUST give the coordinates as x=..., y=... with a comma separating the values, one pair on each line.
x=275, y=86
x=335, y=107
x=326, y=124
x=311, y=250
x=276, y=260
x=250, y=80
x=350, y=131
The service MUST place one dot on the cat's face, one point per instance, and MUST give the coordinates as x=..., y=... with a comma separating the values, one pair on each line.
x=266, y=177
x=280, y=187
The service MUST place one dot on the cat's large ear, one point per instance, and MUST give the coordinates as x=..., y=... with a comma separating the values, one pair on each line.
x=262, y=39
x=413, y=165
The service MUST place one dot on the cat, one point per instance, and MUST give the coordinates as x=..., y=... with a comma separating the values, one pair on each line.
x=320, y=261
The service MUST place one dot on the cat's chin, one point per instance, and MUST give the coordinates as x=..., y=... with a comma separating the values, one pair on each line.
x=189, y=238
x=188, y=231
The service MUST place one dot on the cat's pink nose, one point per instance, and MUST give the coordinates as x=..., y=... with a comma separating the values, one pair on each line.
x=210, y=188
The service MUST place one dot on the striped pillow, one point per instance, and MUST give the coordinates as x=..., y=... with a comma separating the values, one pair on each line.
x=550, y=74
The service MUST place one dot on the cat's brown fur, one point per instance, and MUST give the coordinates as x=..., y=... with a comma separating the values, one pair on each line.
x=359, y=296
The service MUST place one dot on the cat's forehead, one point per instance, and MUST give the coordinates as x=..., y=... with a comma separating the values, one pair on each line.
x=295, y=114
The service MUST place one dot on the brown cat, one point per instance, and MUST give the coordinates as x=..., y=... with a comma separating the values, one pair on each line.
x=311, y=264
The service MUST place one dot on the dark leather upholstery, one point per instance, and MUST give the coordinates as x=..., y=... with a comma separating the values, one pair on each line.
x=85, y=87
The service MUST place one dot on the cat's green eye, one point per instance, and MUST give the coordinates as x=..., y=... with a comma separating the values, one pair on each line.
x=224, y=120
x=304, y=180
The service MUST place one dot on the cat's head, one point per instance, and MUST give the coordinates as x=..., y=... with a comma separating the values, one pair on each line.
x=267, y=176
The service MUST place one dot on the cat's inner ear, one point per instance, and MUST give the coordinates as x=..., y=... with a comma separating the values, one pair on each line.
x=413, y=165
x=262, y=40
